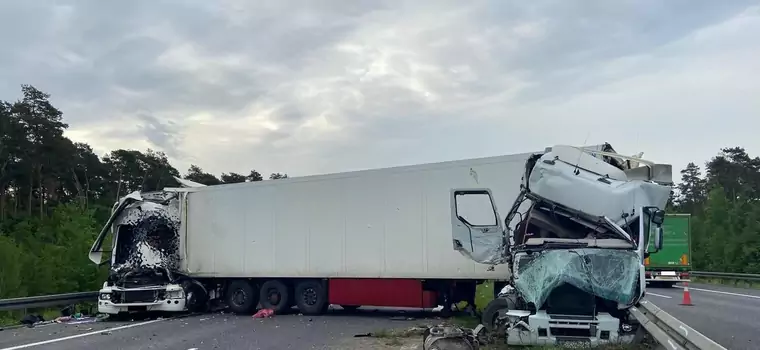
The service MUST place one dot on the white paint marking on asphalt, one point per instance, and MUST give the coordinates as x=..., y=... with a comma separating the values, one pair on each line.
x=721, y=292
x=24, y=346
x=659, y=295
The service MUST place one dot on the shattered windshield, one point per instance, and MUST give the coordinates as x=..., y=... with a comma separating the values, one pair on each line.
x=606, y=273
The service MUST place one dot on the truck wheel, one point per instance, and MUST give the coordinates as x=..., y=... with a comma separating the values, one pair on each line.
x=196, y=297
x=311, y=297
x=242, y=297
x=492, y=311
x=274, y=295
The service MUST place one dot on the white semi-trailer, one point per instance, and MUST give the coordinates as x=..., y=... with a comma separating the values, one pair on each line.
x=376, y=237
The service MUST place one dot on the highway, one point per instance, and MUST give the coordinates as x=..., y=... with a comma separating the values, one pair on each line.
x=335, y=330
x=727, y=315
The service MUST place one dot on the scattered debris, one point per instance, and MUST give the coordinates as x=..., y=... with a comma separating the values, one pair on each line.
x=264, y=313
x=447, y=337
x=31, y=320
x=402, y=318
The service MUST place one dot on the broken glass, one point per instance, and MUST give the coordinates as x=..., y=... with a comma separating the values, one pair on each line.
x=606, y=273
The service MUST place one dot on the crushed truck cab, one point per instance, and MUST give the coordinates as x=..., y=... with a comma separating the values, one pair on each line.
x=575, y=240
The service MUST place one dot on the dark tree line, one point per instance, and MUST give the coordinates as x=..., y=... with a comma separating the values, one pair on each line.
x=725, y=206
x=55, y=195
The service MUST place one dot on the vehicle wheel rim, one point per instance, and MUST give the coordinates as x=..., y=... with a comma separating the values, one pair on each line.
x=239, y=297
x=310, y=296
x=273, y=296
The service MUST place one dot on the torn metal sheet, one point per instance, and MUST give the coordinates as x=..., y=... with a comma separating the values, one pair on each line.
x=146, y=233
x=610, y=274
x=578, y=180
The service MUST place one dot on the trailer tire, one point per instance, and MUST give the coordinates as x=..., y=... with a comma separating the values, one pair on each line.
x=242, y=297
x=275, y=295
x=311, y=297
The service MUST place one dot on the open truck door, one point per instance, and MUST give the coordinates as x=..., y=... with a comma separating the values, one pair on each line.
x=477, y=231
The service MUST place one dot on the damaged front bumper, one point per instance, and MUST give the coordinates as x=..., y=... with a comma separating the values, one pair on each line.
x=115, y=300
x=544, y=329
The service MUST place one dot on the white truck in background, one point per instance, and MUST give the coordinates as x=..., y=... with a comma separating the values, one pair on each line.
x=570, y=252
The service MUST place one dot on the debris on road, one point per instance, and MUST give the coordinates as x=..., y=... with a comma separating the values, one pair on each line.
x=32, y=320
x=264, y=313
x=447, y=337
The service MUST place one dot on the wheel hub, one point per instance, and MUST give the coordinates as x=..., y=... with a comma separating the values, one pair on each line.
x=310, y=296
x=239, y=297
x=273, y=296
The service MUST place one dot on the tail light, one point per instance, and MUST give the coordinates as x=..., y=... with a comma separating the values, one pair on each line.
x=646, y=261
x=684, y=260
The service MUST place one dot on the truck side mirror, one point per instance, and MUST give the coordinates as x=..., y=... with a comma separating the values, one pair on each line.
x=658, y=217
x=658, y=238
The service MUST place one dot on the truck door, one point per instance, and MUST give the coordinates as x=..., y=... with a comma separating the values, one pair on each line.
x=476, y=226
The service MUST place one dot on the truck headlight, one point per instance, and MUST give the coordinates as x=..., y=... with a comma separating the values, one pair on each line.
x=105, y=296
x=175, y=294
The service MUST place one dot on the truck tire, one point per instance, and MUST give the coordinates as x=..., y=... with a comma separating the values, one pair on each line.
x=242, y=297
x=275, y=295
x=196, y=296
x=492, y=310
x=311, y=297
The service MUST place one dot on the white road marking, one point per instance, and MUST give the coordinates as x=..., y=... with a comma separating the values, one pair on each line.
x=50, y=341
x=659, y=295
x=720, y=292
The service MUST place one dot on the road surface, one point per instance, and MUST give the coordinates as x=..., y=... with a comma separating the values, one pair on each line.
x=726, y=315
x=219, y=331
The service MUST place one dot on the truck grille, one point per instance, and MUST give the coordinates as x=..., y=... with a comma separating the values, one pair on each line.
x=135, y=296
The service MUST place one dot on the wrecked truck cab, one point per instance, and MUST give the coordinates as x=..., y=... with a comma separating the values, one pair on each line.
x=144, y=229
x=575, y=239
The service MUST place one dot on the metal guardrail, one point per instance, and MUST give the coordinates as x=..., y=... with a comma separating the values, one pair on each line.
x=726, y=275
x=47, y=300
x=670, y=332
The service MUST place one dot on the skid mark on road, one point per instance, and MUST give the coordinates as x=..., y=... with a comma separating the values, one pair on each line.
x=659, y=295
x=721, y=292
x=50, y=341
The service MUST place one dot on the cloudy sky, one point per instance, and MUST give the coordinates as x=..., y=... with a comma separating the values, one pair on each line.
x=308, y=87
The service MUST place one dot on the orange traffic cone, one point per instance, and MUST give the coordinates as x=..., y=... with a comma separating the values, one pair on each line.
x=686, y=296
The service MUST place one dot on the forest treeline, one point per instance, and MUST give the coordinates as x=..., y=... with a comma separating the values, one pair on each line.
x=55, y=195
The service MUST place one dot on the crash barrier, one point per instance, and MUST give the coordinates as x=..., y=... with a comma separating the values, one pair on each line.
x=670, y=332
x=726, y=275
x=47, y=300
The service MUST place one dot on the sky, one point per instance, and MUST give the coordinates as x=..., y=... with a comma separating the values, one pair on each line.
x=311, y=87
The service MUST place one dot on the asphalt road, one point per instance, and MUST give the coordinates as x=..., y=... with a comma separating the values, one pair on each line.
x=219, y=331
x=726, y=315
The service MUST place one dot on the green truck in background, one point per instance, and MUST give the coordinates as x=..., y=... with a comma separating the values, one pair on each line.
x=672, y=263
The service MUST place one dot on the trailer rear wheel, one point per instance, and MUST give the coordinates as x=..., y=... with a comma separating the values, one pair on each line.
x=242, y=297
x=275, y=295
x=311, y=297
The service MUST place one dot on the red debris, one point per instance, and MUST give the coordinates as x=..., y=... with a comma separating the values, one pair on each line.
x=264, y=313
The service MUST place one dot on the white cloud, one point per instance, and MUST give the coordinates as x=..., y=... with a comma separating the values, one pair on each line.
x=304, y=87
